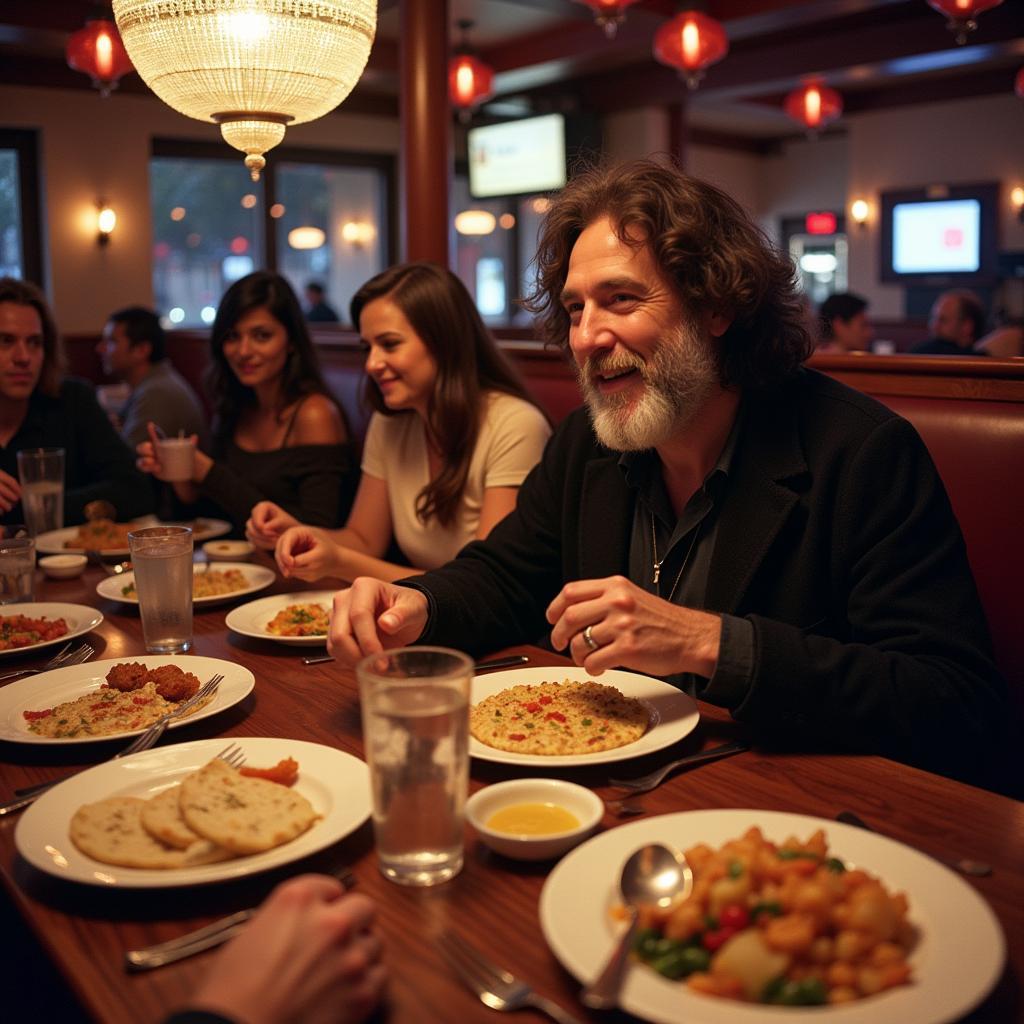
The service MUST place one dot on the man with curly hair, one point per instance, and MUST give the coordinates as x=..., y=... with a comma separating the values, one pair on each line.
x=718, y=515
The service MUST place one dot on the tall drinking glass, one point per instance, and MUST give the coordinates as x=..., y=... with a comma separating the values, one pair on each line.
x=415, y=704
x=17, y=565
x=162, y=560
x=41, y=473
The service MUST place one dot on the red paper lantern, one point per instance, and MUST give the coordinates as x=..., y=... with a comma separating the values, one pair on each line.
x=962, y=14
x=470, y=82
x=609, y=14
x=813, y=105
x=691, y=41
x=97, y=50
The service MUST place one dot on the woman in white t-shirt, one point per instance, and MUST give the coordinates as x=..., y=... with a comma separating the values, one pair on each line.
x=453, y=436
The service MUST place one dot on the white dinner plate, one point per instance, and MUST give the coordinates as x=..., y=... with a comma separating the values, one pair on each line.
x=335, y=783
x=258, y=577
x=958, y=958
x=80, y=619
x=52, y=543
x=48, y=689
x=251, y=619
x=673, y=713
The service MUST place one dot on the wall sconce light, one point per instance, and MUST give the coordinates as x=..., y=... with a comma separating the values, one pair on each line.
x=306, y=237
x=358, y=233
x=106, y=221
x=859, y=212
x=475, y=222
x=1017, y=198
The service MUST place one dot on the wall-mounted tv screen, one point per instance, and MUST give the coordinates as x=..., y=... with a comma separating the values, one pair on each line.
x=940, y=237
x=517, y=157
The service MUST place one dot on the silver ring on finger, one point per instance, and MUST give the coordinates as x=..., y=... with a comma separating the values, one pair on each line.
x=588, y=639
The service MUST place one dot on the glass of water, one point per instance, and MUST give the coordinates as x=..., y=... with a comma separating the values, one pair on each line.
x=415, y=703
x=17, y=565
x=162, y=561
x=41, y=473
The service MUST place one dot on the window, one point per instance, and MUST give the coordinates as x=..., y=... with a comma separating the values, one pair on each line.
x=314, y=215
x=20, y=249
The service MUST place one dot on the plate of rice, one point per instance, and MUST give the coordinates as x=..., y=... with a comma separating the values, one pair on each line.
x=226, y=582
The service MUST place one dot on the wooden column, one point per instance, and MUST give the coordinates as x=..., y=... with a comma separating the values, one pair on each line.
x=426, y=158
x=679, y=131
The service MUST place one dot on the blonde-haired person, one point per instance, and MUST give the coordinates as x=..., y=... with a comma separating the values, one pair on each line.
x=453, y=436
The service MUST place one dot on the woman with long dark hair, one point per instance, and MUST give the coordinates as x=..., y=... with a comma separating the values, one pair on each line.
x=453, y=436
x=278, y=435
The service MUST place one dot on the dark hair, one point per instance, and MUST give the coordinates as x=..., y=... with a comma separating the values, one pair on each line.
x=469, y=363
x=841, y=306
x=704, y=242
x=141, y=325
x=24, y=293
x=301, y=375
x=971, y=308
x=315, y=286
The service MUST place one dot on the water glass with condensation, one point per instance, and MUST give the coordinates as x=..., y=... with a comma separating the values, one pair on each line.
x=162, y=560
x=415, y=703
x=41, y=474
x=17, y=565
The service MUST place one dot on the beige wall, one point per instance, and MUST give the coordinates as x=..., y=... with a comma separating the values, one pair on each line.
x=91, y=148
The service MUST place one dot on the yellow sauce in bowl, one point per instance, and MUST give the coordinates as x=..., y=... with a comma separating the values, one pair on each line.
x=532, y=820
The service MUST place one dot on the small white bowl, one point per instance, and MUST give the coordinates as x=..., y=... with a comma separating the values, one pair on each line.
x=227, y=550
x=63, y=567
x=577, y=800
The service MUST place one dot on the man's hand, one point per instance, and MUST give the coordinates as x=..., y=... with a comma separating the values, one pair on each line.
x=306, y=553
x=266, y=523
x=10, y=492
x=372, y=616
x=311, y=955
x=632, y=629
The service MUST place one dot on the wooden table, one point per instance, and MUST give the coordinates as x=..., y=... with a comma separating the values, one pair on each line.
x=84, y=931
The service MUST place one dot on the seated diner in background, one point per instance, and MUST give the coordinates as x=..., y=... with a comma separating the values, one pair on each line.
x=956, y=322
x=719, y=515
x=844, y=324
x=278, y=435
x=311, y=954
x=40, y=408
x=453, y=435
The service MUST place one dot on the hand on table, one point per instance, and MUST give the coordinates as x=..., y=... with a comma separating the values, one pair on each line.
x=311, y=955
x=632, y=629
x=10, y=492
x=372, y=616
x=306, y=553
x=266, y=523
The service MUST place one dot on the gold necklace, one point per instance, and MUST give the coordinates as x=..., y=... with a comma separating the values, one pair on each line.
x=657, y=562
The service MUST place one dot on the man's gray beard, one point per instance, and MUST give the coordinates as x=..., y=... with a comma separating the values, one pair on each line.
x=677, y=380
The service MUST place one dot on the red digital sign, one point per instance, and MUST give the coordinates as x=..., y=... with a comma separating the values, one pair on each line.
x=820, y=223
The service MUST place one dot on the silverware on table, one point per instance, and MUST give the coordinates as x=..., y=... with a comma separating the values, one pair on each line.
x=654, y=779
x=111, y=570
x=966, y=866
x=481, y=666
x=29, y=794
x=494, y=986
x=149, y=957
x=62, y=659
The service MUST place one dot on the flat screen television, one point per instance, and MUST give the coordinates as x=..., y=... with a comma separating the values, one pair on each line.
x=517, y=157
x=940, y=237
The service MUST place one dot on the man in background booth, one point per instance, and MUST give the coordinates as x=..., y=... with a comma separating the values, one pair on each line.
x=318, y=309
x=957, y=321
x=844, y=324
x=133, y=349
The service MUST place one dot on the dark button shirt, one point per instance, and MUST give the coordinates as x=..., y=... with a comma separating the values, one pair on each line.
x=685, y=544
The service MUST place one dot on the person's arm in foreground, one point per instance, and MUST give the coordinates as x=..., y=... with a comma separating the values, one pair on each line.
x=311, y=955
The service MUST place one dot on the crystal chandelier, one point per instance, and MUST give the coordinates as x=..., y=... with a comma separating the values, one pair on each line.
x=251, y=66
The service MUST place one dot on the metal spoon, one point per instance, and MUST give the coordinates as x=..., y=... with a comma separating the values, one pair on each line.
x=655, y=875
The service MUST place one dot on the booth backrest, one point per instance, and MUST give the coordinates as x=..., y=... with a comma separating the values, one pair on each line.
x=970, y=413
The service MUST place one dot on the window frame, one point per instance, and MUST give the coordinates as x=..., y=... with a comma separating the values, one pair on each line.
x=25, y=142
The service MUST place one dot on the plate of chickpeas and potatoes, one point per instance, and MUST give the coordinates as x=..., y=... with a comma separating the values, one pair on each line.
x=940, y=951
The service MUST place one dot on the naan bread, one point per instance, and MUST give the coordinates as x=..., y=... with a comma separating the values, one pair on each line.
x=161, y=818
x=111, y=831
x=241, y=814
x=559, y=718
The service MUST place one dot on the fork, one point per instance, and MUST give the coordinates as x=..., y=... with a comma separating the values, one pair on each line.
x=62, y=659
x=150, y=957
x=111, y=570
x=645, y=783
x=494, y=986
x=30, y=794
